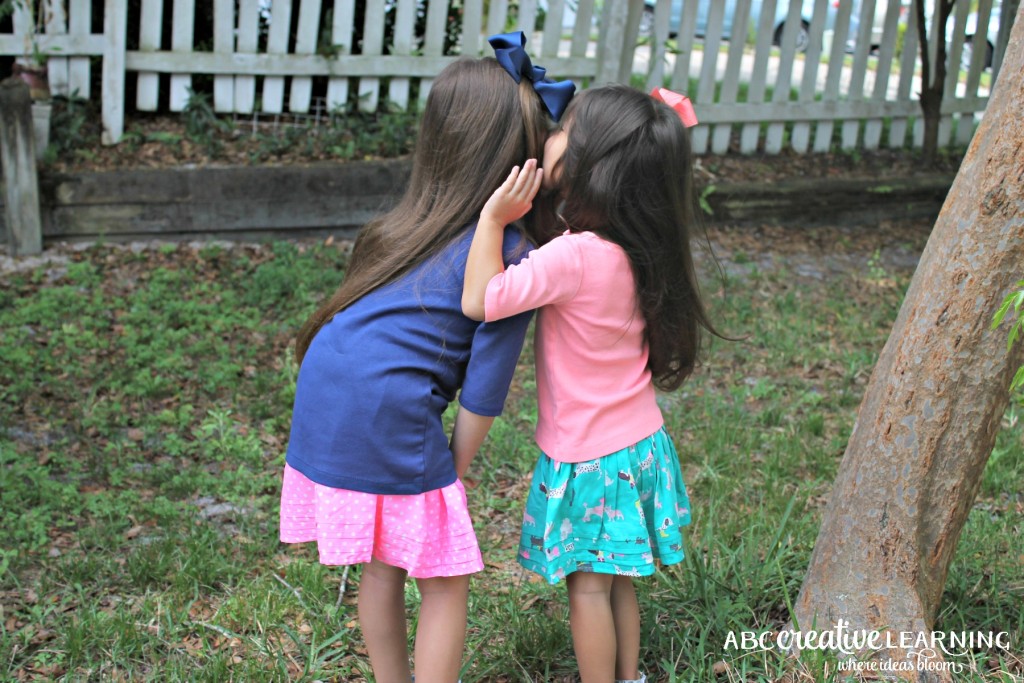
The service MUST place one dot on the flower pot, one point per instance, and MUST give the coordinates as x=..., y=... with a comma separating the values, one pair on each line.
x=35, y=76
x=41, y=112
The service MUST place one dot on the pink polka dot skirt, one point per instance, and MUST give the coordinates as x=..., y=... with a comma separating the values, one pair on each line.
x=430, y=534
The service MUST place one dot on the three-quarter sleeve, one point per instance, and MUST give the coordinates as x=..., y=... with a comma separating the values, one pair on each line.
x=549, y=275
x=492, y=362
x=496, y=347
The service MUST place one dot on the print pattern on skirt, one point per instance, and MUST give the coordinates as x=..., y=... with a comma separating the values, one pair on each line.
x=615, y=514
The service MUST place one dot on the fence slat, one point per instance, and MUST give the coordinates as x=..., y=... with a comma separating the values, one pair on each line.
x=709, y=66
x=527, y=17
x=851, y=129
x=115, y=29
x=722, y=133
x=472, y=24
x=398, y=88
x=23, y=24
x=873, y=128
x=1006, y=20
x=373, y=44
x=801, y=137
x=965, y=125
x=784, y=76
x=751, y=132
x=630, y=49
x=181, y=41
x=56, y=66
x=684, y=43
x=151, y=21
x=954, y=52
x=581, y=32
x=305, y=44
x=224, y=42
x=908, y=62
x=341, y=38
x=611, y=40
x=79, y=24
x=433, y=42
x=553, y=28
x=823, y=131
x=277, y=44
x=659, y=36
x=497, y=15
x=247, y=43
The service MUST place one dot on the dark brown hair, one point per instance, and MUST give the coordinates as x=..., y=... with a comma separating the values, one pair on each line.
x=626, y=175
x=477, y=124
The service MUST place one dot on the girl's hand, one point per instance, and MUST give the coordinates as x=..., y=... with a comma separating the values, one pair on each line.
x=510, y=202
x=514, y=198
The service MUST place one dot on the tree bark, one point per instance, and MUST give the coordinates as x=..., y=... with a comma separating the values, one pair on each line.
x=933, y=406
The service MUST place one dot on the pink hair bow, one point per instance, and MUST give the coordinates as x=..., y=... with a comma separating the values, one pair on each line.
x=681, y=103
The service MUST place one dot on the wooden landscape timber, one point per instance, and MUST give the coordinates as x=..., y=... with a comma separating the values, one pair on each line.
x=322, y=199
x=236, y=202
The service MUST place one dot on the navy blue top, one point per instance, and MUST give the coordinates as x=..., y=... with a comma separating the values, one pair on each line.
x=377, y=378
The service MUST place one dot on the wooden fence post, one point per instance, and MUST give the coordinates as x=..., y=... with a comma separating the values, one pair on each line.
x=18, y=158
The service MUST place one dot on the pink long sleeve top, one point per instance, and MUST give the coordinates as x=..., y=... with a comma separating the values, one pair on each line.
x=594, y=390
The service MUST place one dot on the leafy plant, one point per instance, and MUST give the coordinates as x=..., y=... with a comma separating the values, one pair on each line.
x=202, y=125
x=1013, y=300
x=705, y=205
x=69, y=125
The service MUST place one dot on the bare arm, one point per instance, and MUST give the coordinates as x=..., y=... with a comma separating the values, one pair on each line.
x=509, y=202
x=467, y=436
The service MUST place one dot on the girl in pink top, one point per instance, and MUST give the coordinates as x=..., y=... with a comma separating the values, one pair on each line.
x=619, y=314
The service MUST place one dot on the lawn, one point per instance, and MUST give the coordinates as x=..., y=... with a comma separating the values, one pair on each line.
x=146, y=398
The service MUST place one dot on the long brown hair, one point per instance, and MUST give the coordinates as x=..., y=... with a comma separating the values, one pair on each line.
x=477, y=124
x=626, y=175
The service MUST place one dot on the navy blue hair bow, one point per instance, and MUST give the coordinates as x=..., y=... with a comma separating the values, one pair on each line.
x=508, y=50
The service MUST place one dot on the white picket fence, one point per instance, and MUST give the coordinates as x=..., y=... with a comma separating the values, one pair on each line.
x=769, y=97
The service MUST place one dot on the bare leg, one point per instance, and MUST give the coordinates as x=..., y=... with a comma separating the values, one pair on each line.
x=441, y=633
x=593, y=628
x=382, y=619
x=626, y=615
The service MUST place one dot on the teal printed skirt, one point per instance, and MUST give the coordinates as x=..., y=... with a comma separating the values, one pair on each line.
x=614, y=515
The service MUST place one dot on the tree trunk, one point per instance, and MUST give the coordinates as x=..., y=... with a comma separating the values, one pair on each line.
x=931, y=411
x=933, y=75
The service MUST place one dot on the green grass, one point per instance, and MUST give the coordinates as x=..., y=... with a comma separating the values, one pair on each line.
x=145, y=408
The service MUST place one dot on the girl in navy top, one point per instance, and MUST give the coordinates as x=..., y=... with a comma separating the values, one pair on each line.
x=370, y=474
